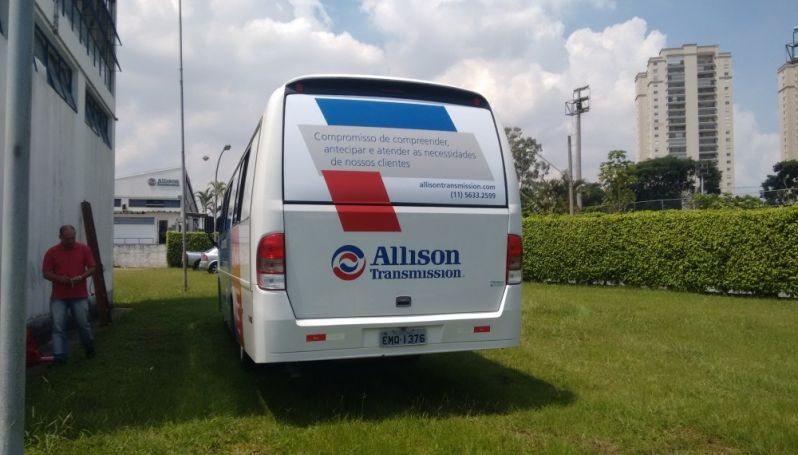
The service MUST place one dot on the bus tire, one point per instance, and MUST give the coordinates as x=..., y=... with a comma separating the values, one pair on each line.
x=246, y=360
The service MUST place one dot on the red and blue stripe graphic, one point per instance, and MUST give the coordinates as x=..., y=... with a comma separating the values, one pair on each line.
x=361, y=201
x=380, y=114
x=360, y=197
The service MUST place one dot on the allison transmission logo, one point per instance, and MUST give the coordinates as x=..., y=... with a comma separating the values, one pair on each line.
x=348, y=262
x=397, y=263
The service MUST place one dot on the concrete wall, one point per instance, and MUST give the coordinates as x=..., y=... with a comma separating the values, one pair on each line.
x=69, y=164
x=140, y=256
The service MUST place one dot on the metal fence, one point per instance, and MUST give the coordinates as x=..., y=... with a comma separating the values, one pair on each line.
x=134, y=241
x=772, y=198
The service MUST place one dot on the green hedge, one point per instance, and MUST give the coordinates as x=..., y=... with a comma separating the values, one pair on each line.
x=195, y=241
x=749, y=251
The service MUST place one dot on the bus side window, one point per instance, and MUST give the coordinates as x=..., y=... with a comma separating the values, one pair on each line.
x=222, y=226
x=232, y=193
x=241, y=177
x=246, y=187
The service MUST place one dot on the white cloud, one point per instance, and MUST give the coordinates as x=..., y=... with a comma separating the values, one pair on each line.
x=235, y=55
x=755, y=152
x=527, y=95
x=425, y=37
x=513, y=51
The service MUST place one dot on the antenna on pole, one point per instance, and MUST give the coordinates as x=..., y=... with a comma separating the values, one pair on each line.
x=184, y=198
x=578, y=105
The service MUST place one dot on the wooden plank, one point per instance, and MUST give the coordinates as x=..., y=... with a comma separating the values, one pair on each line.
x=98, y=277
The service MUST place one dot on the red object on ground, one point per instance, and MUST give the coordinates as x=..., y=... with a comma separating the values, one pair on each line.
x=33, y=356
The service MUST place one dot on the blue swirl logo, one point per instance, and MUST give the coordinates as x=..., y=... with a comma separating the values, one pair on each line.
x=348, y=262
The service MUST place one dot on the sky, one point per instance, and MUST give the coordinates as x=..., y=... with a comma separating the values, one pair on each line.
x=525, y=57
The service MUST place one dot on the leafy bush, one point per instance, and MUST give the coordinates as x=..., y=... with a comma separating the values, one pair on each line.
x=751, y=251
x=725, y=201
x=195, y=241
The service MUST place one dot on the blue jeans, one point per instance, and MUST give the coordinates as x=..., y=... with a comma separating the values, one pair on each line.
x=80, y=311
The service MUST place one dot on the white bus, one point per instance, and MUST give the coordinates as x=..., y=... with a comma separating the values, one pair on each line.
x=370, y=217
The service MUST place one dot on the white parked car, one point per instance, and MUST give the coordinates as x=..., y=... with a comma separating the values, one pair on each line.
x=209, y=260
x=193, y=259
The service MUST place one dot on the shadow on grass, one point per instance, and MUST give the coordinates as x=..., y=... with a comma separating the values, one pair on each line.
x=175, y=361
x=440, y=385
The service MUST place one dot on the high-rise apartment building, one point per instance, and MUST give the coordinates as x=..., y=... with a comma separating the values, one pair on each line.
x=788, y=102
x=685, y=109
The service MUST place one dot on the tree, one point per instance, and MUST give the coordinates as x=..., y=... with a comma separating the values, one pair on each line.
x=548, y=196
x=529, y=169
x=708, y=170
x=781, y=188
x=217, y=189
x=671, y=177
x=205, y=200
x=617, y=177
x=551, y=196
x=725, y=201
x=592, y=194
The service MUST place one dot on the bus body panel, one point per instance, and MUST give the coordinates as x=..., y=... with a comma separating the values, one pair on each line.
x=434, y=263
x=308, y=321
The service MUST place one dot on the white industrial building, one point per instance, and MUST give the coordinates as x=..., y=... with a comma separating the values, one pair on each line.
x=147, y=205
x=684, y=104
x=72, y=129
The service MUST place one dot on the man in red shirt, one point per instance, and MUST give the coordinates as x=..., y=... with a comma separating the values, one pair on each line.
x=68, y=265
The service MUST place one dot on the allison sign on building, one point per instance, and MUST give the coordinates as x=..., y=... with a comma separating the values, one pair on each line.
x=147, y=205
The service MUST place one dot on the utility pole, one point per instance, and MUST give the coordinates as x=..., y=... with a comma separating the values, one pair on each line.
x=16, y=187
x=570, y=179
x=578, y=105
x=182, y=151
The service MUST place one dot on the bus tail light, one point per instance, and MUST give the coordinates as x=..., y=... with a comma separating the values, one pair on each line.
x=515, y=256
x=271, y=262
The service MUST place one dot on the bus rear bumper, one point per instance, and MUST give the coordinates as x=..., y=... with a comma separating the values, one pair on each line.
x=292, y=340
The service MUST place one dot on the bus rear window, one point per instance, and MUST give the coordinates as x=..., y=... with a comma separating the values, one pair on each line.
x=378, y=150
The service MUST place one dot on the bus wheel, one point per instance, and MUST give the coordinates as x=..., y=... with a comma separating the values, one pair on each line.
x=231, y=324
x=246, y=360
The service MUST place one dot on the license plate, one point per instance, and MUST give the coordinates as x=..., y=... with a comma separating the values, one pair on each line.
x=403, y=337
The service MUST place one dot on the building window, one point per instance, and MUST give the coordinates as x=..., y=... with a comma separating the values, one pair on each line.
x=59, y=74
x=117, y=202
x=3, y=16
x=93, y=23
x=156, y=203
x=145, y=221
x=97, y=119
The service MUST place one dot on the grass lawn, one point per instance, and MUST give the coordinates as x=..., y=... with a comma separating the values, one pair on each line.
x=599, y=370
